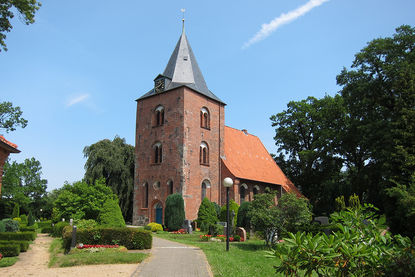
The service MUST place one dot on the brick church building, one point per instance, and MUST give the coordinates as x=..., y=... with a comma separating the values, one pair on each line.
x=183, y=146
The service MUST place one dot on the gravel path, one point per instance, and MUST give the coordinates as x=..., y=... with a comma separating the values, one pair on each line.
x=35, y=261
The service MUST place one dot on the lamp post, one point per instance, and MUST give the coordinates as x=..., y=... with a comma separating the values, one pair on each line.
x=227, y=183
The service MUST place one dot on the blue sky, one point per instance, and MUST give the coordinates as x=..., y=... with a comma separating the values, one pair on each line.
x=77, y=71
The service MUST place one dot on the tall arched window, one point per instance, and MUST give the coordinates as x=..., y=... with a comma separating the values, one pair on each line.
x=170, y=186
x=205, y=186
x=145, y=196
x=159, y=116
x=204, y=118
x=204, y=154
x=256, y=190
x=242, y=192
x=157, y=153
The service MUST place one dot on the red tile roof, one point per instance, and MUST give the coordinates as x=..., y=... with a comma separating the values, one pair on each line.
x=11, y=147
x=247, y=158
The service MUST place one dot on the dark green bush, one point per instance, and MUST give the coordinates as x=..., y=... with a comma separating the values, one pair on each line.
x=23, y=244
x=16, y=210
x=217, y=209
x=216, y=229
x=243, y=220
x=23, y=217
x=2, y=226
x=174, y=214
x=10, y=250
x=233, y=206
x=110, y=215
x=18, y=236
x=42, y=224
x=11, y=225
x=28, y=228
x=30, y=219
x=131, y=238
x=58, y=227
x=206, y=216
x=46, y=230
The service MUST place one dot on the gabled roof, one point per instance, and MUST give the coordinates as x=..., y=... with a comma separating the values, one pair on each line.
x=247, y=158
x=183, y=70
x=8, y=146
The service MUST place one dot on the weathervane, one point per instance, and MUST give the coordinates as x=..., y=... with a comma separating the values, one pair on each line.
x=183, y=11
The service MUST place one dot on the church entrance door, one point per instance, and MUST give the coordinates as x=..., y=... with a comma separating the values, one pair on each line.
x=158, y=208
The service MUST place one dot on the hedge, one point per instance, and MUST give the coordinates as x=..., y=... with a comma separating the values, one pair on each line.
x=43, y=224
x=23, y=244
x=28, y=228
x=18, y=236
x=10, y=250
x=131, y=238
x=58, y=228
x=46, y=230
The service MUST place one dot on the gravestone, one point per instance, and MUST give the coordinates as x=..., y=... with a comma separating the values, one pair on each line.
x=188, y=226
x=241, y=232
x=323, y=220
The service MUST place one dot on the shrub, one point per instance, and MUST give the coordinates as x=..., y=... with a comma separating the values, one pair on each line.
x=42, y=224
x=174, y=214
x=217, y=209
x=16, y=210
x=237, y=238
x=23, y=244
x=216, y=229
x=233, y=206
x=18, y=236
x=23, y=217
x=30, y=219
x=86, y=224
x=206, y=216
x=18, y=219
x=29, y=228
x=243, y=220
x=10, y=225
x=46, y=230
x=340, y=203
x=58, y=227
x=131, y=238
x=110, y=215
x=10, y=250
x=2, y=226
x=154, y=227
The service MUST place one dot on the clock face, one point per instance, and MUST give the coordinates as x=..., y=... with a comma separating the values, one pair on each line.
x=159, y=85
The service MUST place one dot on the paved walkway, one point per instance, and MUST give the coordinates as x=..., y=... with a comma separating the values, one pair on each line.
x=173, y=259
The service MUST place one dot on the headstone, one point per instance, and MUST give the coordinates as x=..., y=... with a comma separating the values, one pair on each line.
x=241, y=232
x=323, y=220
x=71, y=221
x=73, y=244
x=187, y=226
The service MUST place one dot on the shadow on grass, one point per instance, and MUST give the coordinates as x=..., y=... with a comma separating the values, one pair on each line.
x=250, y=246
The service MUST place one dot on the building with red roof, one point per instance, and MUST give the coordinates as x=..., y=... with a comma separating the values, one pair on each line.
x=6, y=147
x=182, y=145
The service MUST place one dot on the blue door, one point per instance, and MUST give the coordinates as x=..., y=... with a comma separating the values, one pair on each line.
x=159, y=213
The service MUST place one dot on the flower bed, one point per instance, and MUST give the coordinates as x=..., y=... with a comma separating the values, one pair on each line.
x=84, y=246
x=180, y=231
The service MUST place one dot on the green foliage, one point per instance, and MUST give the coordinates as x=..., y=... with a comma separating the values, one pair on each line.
x=2, y=226
x=81, y=200
x=114, y=161
x=217, y=209
x=354, y=201
x=85, y=223
x=8, y=261
x=58, y=228
x=174, y=214
x=10, y=225
x=32, y=228
x=10, y=250
x=132, y=238
x=30, y=219
x=10, y=117
x=46, y=223
x=206, y=216
x=233, y=206
x=293, y=213
x=110, y=215
x=46, y=230
x=340, y=203
x=216, y=229
x=16, y=210
x=243, y=220
x=18, y=236
x=23, y=218
x=23, y=244
x=358, y=248
x=154, y=227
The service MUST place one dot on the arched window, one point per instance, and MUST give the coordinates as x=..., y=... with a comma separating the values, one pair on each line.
x=204, y=154
x=156, y=185
x=205, y=185
x=145, y=200
x=170, y=186
x=159, y=116
x=204, y=118
x=242, y=192
x=157, y=153
x=256, y=190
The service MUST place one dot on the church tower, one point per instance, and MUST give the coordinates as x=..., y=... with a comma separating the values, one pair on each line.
x=179, y=140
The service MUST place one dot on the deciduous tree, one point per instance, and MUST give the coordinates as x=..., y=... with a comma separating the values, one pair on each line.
x=11, y=117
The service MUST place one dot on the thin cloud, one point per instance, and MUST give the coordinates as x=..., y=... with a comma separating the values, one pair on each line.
x=285, y=18
x=77, y=99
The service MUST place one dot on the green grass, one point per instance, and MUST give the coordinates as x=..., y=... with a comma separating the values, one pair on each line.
x=8, y=261
x=243, y=259
x=86, y=257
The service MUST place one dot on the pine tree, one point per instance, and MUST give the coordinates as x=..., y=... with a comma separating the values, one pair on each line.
x=206, y=216
x=174, y=214
x=30, y=219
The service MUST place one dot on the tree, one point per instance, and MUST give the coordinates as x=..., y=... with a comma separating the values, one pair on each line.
x=10, y=117
x=174, y=213
x=206, y=216
x=110, y=215
x=293, y=213
x=26, y=10
x=114, y=161
x=81, y=200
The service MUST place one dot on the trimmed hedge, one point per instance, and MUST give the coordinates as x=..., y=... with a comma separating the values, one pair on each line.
x=58, y=228
x=43, y=224
x=46, y=230
x=28, y=228
x=10, y=250
x=24, y=244
x=18, y=236
x=131, y=238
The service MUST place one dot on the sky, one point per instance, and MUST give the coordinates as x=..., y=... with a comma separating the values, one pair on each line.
x=77, y=71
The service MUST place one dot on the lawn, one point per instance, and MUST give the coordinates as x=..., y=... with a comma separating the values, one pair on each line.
x=243, y=259
x=86, y=257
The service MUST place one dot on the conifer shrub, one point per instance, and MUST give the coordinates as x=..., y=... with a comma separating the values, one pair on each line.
x=206, y=216
x=243, y=220
x=233, y=206
x=111, y=215
x=10, y=250
x=174, y=214
x=16, y=210
x=30, y=219
x=217, y=209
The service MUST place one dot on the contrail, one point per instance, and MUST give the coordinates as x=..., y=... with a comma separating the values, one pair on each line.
x=268, y=28
x=78, y=99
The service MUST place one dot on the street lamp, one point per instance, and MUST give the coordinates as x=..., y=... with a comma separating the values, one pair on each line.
x=227, y=183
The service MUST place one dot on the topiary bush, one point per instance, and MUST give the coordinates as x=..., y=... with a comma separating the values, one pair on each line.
x=243, y=220
x=29, y=228
x=18, y=236
x=131, y=238
x=10, y=250
x=206, y=216
x=30, y=219
x=58, y=227
x=47, y=223
x=23, y=244
x=154, y=227
x=23, y=218
x=110, y=215
x=174, y=214
x=16, y=210
x=10, y=225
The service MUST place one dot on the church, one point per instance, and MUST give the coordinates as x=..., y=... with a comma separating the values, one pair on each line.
x=183, y=146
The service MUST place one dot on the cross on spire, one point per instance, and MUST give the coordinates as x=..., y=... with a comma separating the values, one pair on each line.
x=183, y=11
